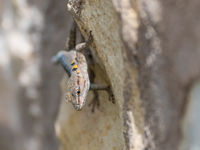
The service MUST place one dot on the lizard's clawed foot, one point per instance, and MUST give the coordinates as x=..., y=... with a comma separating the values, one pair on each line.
x=95, y=102
x=90, y=38
x=111, y=95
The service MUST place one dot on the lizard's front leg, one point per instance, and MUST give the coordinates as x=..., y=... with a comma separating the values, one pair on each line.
x=95, y=101
x=97, y=87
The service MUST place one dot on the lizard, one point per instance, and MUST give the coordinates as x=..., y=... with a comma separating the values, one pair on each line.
x=76, y=67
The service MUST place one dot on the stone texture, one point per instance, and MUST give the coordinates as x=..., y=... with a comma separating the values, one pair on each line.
x=148, y=51
x=143, y=49
x=107, y=127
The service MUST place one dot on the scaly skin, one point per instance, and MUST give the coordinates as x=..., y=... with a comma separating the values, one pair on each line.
x=78, y=84
x=75, y=65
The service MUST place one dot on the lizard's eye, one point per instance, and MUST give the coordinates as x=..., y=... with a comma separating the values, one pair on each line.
x=78, y=92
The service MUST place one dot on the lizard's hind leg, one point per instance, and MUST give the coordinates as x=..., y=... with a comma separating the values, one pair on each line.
x=84, y=45
x=71, y=41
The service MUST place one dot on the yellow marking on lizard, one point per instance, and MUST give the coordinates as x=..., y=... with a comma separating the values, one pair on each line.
x=78, y=71
x=75, y=67
x=73, y=62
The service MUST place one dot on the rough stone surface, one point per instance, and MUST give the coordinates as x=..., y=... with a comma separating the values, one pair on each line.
x=149, y=53
x=113, y=124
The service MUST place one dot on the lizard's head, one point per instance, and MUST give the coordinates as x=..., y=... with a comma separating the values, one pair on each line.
x=77, y=93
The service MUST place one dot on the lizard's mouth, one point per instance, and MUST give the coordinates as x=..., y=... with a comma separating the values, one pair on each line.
x=79, y=102
x=77, y=106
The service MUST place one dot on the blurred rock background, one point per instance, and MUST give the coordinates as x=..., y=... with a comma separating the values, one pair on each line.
x=30, y=33
x=148, y=51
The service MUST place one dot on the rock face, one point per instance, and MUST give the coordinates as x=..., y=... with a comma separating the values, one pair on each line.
x=112, y=126
x=147, y=51
x=139, y=48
